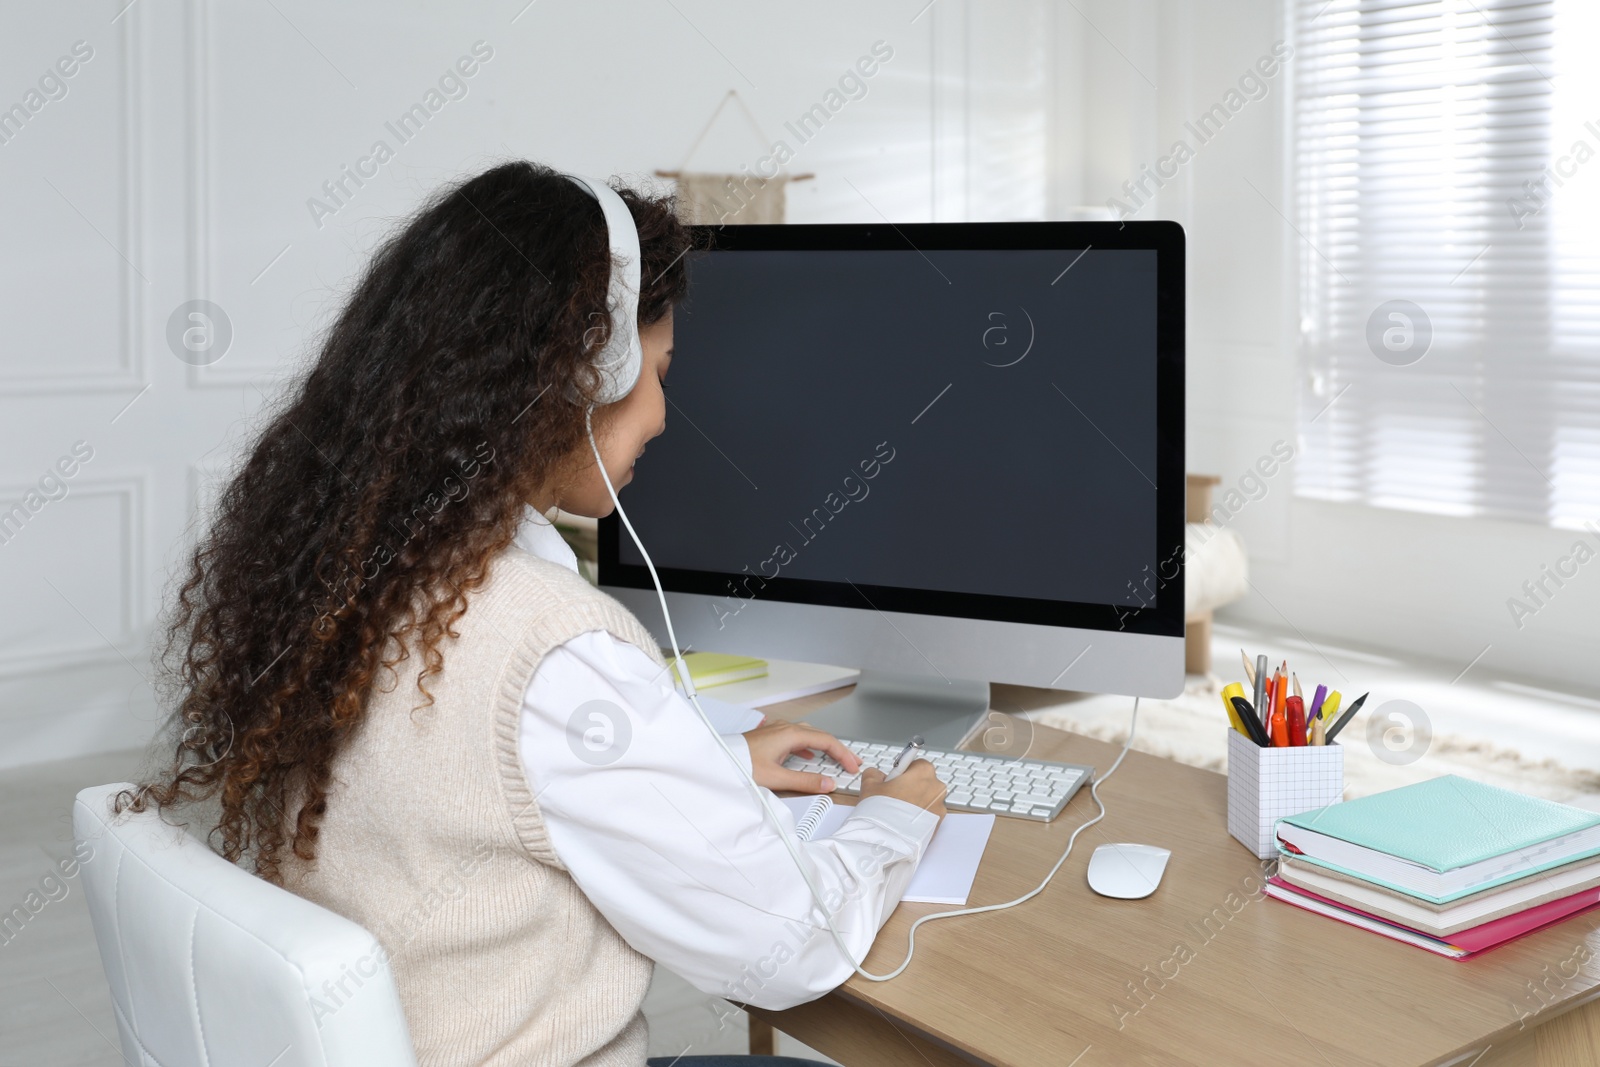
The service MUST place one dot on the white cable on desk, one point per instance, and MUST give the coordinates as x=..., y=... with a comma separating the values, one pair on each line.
x=762, y=795
x=1094, y=786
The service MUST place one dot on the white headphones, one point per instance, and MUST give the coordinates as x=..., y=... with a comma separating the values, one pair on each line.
x=622, y=359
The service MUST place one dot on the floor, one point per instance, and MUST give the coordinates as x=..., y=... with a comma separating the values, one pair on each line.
x=55, y=1008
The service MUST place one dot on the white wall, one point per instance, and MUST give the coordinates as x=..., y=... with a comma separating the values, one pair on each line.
x=181, y=159
x=179, y=165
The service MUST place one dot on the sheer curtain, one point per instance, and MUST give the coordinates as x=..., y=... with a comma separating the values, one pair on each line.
x=1445, y=177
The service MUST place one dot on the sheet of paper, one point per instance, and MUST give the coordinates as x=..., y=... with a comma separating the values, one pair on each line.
x=951, y=863
x=949, y=866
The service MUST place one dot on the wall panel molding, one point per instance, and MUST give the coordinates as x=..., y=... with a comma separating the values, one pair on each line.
x=233, y=369
x=129, y=642
x=130, y=370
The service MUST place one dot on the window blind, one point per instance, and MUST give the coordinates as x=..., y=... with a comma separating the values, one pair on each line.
x=1445, y=158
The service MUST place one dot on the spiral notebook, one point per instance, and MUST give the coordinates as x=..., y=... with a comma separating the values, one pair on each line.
x=948, y=866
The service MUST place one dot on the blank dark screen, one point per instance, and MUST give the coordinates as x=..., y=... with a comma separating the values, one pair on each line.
x=958, y=421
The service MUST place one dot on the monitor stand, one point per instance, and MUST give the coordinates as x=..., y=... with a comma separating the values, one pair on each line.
x=890, y=708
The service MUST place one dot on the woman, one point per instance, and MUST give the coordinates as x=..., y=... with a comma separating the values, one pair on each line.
x=388, y=674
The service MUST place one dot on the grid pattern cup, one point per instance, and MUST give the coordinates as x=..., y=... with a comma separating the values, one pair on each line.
x=1268, y=784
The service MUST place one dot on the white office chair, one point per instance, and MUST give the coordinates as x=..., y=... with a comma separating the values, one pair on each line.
x=211, y=966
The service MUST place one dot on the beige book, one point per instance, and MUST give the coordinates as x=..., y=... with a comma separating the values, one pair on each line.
x=1442, y=919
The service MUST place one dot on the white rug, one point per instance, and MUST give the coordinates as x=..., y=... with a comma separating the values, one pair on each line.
x=1193, y=729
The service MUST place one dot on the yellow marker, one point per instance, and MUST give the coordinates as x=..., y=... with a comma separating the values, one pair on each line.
x=1234, y=689
x=1330, y=707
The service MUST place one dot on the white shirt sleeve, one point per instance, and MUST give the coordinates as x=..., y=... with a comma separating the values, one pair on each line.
x=664, y=835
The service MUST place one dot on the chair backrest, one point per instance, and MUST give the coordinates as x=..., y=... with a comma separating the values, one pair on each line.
x=211, y=966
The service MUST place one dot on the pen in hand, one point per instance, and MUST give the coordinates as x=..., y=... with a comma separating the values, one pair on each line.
x=907, y=755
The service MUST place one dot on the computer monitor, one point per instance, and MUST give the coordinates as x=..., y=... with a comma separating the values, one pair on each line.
x=948, y=454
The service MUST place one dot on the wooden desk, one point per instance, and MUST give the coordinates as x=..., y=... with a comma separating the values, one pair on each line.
x=1206, y=971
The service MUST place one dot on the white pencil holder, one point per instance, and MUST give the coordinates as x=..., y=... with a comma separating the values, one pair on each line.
x=1268, y=784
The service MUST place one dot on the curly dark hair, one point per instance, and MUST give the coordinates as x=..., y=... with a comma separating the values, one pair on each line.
x=373, y=501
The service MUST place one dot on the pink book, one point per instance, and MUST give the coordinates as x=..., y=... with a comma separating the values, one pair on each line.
x=1458, y=945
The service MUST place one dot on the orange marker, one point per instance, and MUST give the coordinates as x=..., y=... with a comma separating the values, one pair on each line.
x=1280, y=729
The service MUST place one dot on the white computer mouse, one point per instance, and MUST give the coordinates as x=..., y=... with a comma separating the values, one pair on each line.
x=1127, y=871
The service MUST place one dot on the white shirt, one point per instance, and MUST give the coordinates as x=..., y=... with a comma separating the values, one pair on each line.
x=663, y=834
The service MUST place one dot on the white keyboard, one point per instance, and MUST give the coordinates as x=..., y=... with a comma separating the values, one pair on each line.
x=1027, y=789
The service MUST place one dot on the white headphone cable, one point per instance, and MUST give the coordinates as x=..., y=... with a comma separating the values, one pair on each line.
x=762, y=795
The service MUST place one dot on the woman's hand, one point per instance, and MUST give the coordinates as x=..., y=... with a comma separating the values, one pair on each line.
x=773, y=742
x=918, y=784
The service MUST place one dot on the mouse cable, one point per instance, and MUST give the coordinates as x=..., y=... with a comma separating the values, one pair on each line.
x=1094, y=787
x=767, y=800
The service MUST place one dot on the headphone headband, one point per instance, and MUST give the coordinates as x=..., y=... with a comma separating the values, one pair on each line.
x=622, y=359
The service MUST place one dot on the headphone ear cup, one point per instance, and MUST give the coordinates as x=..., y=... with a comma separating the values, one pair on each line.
x=619, y=373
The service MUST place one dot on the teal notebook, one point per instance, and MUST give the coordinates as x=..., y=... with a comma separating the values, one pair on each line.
x=1442, y=839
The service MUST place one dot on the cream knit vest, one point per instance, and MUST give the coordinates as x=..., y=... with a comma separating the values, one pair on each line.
x=433, y=842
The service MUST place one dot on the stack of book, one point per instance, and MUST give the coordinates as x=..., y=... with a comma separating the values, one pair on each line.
x=1450, y=865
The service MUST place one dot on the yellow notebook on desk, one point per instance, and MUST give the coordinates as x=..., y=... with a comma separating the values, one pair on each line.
x=719, y=668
